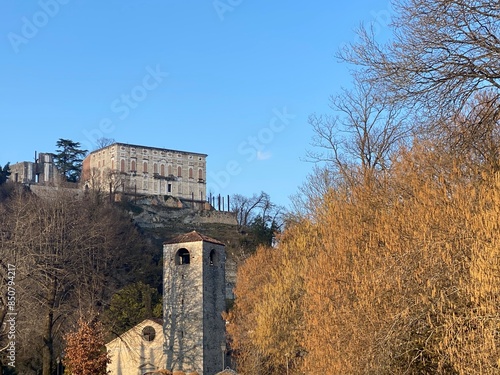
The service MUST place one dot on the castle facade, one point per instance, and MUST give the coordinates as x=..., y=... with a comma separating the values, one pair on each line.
x=135, y=169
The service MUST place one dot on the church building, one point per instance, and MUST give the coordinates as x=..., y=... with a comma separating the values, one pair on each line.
x=192, y=336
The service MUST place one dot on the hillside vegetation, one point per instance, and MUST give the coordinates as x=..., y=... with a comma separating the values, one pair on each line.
x=390, y=262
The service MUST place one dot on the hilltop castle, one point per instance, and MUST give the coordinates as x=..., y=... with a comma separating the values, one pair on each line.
x=145, y=170
x=126, y=168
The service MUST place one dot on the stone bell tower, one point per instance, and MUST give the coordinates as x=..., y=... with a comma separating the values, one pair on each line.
x=193, y=301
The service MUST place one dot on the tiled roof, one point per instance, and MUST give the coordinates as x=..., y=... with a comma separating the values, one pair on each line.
x=227, y=371
x=146, y=147
x=193, y=236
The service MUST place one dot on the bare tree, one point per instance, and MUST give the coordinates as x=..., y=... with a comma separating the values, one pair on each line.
x=68, y=255
x=473, y=135
x=311, y=193
x=245, y=207
x=441, y=54
x=366, y=129
x=104, y=142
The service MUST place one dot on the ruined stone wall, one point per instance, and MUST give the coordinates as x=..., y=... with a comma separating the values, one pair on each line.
x=43, y=171
x=53, y=192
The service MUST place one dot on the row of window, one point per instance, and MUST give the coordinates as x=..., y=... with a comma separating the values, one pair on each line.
x=133, y=168
x=145, y=152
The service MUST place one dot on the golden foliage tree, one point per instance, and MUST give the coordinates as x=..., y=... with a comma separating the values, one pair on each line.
x=85, y=353
x=252, y=276
x=394, y=275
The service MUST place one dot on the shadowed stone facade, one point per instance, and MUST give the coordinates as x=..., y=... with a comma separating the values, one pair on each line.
x=193, y=301
x=145, y=170
x=137, y=351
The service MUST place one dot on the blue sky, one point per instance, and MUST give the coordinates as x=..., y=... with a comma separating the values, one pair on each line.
x=234, y=79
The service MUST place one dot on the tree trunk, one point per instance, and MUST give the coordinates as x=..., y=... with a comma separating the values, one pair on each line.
x=48, y=348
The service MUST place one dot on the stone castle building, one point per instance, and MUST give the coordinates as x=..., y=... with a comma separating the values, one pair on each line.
x=194, y=299
x=145, y=170
x=41, y=171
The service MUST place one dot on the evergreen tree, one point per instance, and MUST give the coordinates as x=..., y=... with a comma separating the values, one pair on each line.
x=131, y=305
x=68, y=159
x=4, y=173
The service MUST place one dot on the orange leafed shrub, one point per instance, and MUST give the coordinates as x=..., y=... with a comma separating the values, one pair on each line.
x=85, y=353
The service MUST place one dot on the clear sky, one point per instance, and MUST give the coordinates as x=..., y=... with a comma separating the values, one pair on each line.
x=234, y=79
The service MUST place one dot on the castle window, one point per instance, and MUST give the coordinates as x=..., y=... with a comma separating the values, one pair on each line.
x=214, y=258
x=132, y=166
x=145, y=167
x=169, y=188
x=169, y=170
x=190, y=172
x=155, y=168
x=122, y=165
x=182, y=257
x=179, y=171
x=148, y=333
x=162, y=170
x=200, y=174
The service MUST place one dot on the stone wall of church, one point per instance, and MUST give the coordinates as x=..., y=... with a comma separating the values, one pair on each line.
x=183, y=308
x=214, y=303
